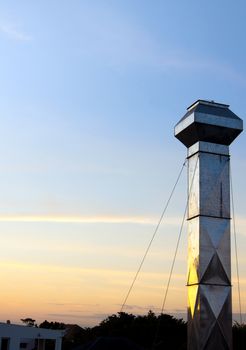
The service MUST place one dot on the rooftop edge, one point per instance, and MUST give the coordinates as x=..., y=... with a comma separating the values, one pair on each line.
x=208, y=103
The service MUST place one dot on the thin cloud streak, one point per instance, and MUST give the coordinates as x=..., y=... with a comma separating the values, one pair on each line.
x=114, y=275
x=142, y=220
x=105, y=219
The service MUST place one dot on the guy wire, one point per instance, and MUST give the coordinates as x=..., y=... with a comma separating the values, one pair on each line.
x=152, y=238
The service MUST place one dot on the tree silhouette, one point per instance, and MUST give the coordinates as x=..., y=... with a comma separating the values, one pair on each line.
x=149, y=331
x=239, y=336
x=28, y=322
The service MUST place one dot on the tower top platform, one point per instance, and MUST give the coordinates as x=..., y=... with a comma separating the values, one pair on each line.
x=208, y=121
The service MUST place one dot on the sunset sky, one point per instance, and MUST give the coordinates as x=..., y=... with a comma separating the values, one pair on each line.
x=90, y=91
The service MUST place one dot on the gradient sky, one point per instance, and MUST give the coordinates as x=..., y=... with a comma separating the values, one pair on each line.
x=90, y=92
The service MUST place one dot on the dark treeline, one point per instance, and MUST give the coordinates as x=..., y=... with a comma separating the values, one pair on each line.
x=147, y=332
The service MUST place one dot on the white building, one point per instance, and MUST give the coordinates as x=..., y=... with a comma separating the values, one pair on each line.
x=15, y=337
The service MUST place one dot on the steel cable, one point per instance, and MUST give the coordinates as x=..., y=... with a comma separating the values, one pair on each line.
x=174, y=258
x=236, y=249
x=152, y=238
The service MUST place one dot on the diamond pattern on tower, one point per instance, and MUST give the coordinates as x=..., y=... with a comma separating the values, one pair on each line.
x=215, y=229
x=193, y=256
x=192, y=299
x=216, y=340
x=214, y=249
x=220, y=277
x=208, y=320
x=193, y=317
x=224, y=253
x=225, y=319
x=216, y=297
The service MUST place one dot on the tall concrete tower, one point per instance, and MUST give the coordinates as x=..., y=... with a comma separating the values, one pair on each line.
x=207, y=130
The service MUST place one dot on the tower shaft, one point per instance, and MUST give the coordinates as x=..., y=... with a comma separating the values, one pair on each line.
x=207, y=130
x=209, y=261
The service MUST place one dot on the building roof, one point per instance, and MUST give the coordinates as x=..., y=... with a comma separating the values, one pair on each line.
x=8, y=330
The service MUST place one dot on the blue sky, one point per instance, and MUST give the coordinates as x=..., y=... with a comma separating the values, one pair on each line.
x=90, y=93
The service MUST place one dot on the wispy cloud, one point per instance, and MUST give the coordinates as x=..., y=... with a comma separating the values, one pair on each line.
x=13, y=33
x=115, y=276
x=105, y=219
x=115, y=38
x=85, y=319
x=143, y=220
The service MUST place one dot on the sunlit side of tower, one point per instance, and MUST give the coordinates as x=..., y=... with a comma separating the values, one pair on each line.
x=207, y=130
